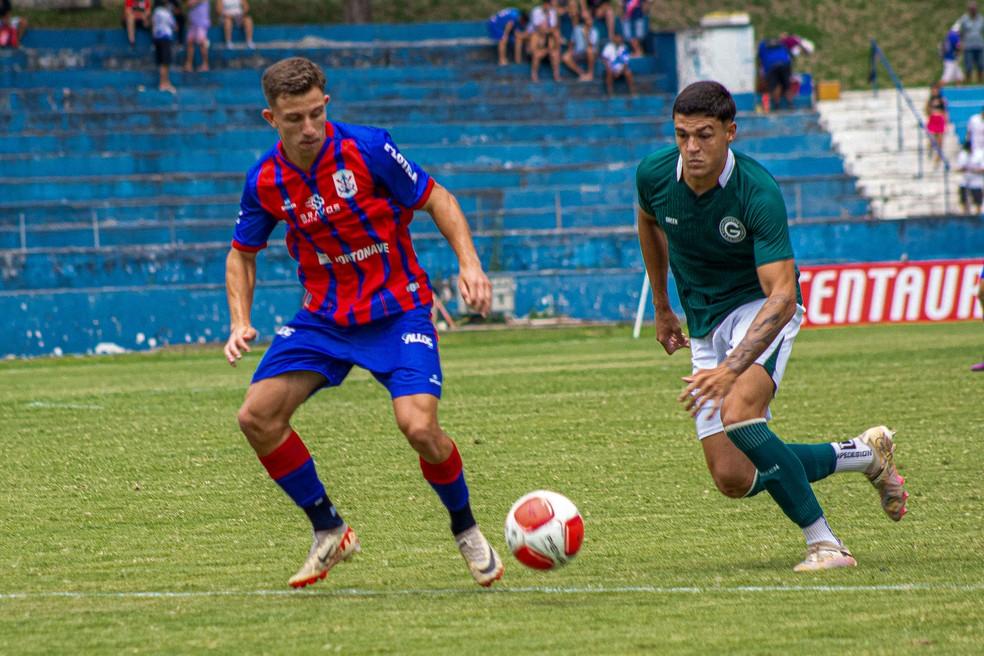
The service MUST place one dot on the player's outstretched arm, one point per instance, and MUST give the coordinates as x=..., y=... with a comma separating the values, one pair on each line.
x=476, y=290
x=240, y=283
x=655, y=254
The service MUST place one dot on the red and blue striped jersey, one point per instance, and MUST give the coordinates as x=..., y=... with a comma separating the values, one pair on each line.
x=348, y=223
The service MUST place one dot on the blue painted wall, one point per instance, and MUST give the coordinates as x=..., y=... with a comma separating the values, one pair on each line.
x=129, y=299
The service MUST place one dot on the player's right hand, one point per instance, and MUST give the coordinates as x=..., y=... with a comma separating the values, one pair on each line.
x=238, y=343
x=669, y=333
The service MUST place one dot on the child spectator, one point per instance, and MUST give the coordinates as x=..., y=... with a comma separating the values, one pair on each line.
x=235, y=12
x=616, y=57
x=634, y=24
x=582, y=46
x=936, y=119
x=163, y=27
x=198, y=24
x=545, y=39
x=509, y=25
x=971, y=164
x=136, y=13
x=952, y=73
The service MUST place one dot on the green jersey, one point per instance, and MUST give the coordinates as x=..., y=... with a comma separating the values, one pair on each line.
x=718, y=239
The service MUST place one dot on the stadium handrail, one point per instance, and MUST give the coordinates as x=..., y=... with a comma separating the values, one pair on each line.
x=878, y=55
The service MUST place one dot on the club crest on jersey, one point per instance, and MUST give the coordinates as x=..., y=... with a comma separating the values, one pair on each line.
x=731, y=229
x=345, y=183
x=418, y=338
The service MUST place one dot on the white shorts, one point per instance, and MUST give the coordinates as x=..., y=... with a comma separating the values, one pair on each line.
x=951, y=72
x=710, y=351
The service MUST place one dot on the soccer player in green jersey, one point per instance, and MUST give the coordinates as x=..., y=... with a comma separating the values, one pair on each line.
x=716, y=217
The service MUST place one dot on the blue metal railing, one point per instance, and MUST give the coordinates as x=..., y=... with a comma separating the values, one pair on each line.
x=879, y=56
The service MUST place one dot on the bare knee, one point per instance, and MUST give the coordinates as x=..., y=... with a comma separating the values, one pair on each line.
x=260, y=429
x=423, y=434
x=732, y=483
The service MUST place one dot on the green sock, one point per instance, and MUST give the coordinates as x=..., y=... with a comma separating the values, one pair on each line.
x=819, y=461
x=780, y=471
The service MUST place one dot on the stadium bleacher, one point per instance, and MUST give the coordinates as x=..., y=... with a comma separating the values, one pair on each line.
x=117, y=198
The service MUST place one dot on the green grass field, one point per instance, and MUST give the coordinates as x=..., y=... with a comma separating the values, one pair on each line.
x=134, y=518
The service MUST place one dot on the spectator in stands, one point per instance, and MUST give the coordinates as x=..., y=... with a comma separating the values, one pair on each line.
x=936, y=119
x=582, y=47
x=136, y=13
x=545, y=39
x=235, y=12
x=12, y=27
x=776, y=68
x=949, y=48
x=975, y=131
x=971, y=27
x=198, y=24
x=616, y=58
x=509, y=25
x=635, y=25
x=601, y=10
x=971, y=164
x=163, y=29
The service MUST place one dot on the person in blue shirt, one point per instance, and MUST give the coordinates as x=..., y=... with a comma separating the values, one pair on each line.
x=509, y=25
x=776, y=67
x=949, y=48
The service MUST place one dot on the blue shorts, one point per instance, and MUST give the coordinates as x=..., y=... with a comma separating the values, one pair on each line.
x=401, y=351
x=635, y=28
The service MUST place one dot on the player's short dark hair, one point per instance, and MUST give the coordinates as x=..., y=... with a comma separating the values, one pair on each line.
x=706, y=98
x=293, y=76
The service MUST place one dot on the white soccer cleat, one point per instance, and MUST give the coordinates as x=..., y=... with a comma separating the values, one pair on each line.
x=882, y=472
x=483, y=562
x=329, y=549
x=825, y=555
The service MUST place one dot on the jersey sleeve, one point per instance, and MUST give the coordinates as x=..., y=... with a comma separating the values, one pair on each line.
x=254, y=224
x=408, y=183
x=768, y=225
x=645, y=186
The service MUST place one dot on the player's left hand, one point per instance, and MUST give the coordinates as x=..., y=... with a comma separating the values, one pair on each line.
x=476, y=290
x=707, y=389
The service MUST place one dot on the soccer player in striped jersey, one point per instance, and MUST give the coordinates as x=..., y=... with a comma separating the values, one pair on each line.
x=717, y=219
x=347, y=195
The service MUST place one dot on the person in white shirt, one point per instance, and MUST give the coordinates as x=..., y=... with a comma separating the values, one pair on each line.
x=975, y=131
x=971, y=164
x=235, y=12
x=163, y=26
x=616, y=58
x=545, y=39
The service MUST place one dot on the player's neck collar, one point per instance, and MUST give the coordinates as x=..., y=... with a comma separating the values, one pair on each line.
x=729, y=168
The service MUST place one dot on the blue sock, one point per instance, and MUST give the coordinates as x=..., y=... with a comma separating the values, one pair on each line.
x=292, y=467
x=448, y=480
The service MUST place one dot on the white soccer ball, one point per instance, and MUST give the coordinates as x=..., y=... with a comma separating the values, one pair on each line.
x=544, y=530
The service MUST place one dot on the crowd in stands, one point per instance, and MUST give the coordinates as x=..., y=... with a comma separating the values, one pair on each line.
x=570, y=32
x=962, y=44
x=184, y=22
